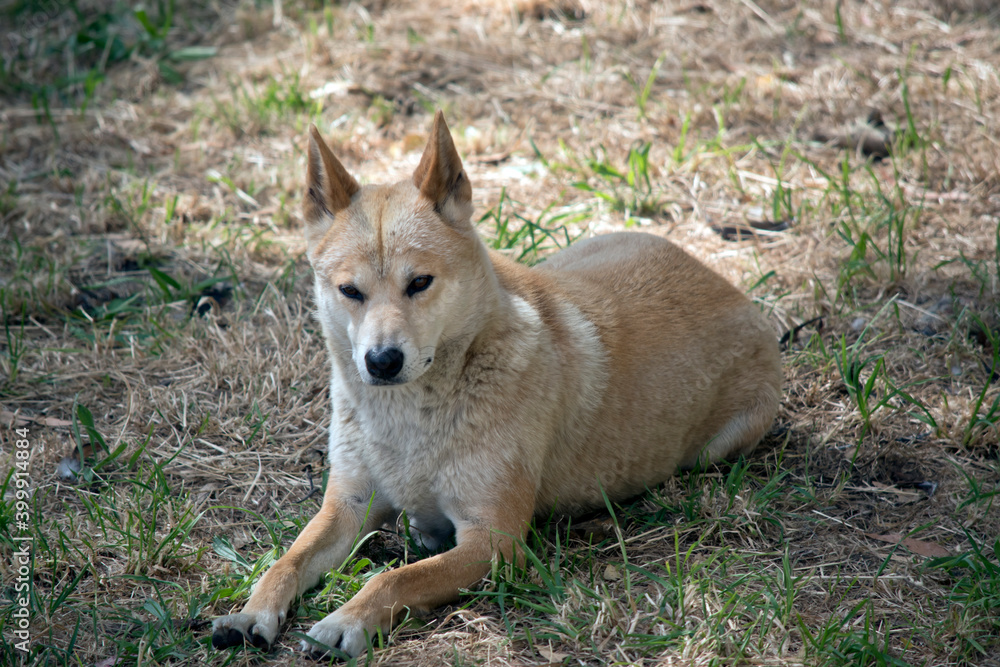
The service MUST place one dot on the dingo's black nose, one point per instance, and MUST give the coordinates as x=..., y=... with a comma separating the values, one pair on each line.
x=384, y=362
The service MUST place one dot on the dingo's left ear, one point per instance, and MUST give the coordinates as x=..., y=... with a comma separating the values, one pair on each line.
x=440, y=176
x=329, y=187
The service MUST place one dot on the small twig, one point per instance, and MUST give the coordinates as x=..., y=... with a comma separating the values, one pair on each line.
x=312, y=487
x=792, y=333
x=764, y=16
x=924, y=311
x=260, y=468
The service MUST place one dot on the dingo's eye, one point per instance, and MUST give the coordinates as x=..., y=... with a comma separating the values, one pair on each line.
x=419, y=284
x=351, y=292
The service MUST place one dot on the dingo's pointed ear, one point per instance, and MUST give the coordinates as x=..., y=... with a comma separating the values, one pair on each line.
x=329, y=187
x=441, y=178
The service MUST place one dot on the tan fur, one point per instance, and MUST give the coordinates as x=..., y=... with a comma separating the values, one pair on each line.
x=521, y=391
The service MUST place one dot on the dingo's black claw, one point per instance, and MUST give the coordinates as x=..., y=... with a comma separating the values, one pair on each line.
x=259, y=641
x=226, y=637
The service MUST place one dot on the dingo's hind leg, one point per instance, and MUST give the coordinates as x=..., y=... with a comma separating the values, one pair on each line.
x=741, y=433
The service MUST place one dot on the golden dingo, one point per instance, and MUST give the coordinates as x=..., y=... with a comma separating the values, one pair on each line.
x=473, y=392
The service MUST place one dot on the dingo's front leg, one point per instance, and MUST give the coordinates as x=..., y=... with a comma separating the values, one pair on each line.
x=323, y=544
x=482, y=532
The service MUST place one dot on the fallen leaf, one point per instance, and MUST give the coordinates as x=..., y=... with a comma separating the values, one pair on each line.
x=553, y=657
x=9, y=419
x=919, y=547
x=926, y=549
x=892, y=538
x=594, y=529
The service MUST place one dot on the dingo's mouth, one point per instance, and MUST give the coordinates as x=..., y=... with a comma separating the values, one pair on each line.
x=379, y=382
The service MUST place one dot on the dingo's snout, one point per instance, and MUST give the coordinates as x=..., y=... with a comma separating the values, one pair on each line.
x=384, y=362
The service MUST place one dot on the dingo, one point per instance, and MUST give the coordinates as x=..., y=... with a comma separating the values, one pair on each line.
x=473, y=392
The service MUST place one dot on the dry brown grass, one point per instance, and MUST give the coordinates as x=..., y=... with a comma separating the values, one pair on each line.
x=232, y=405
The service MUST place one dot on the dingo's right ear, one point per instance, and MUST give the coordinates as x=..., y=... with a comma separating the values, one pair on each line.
x=329, y=188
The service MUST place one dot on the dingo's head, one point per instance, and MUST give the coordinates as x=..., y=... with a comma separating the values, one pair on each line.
x=398, y=267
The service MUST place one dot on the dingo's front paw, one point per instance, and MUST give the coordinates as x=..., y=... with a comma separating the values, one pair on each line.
x=342, y=631
x=258, y=629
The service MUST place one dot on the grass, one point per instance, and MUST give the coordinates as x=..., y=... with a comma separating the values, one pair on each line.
x=975, y=591
x=628, y=190
x=258, y=109
x=528, y=239
x=157, y=338
x=92, y=43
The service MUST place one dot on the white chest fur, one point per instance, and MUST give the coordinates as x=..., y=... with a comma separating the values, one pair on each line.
x=422, y=445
